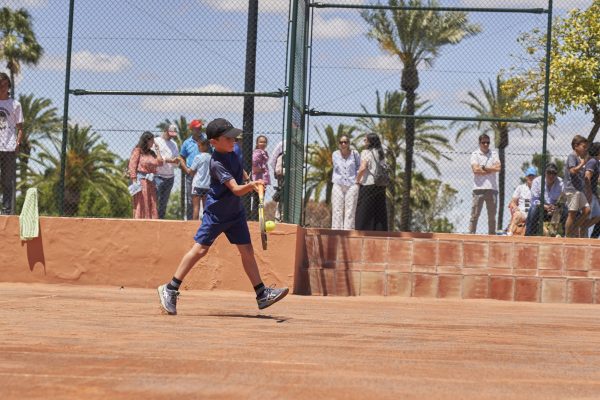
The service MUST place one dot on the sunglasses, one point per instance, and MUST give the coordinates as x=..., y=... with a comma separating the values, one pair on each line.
x=343, y=142
x=485, y=142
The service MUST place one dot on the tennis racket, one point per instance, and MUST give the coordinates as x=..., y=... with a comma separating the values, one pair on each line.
x=261, y=216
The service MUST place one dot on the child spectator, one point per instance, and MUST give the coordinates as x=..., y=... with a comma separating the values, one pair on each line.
x=592, y=171
x=201, y=180
x=223, y=214
x=260, y=170
x=574, y=187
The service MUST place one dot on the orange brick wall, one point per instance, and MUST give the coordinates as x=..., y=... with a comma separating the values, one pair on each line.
x=534, y=269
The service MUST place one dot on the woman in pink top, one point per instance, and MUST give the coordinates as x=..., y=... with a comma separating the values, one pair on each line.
x=145, y=157
x=260, y=170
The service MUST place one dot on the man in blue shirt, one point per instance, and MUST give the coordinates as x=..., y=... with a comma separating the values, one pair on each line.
x=223, y=214
x=552, y=192
x=189, y=151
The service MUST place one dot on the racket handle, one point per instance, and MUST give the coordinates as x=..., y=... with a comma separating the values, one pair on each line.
x=261, y=191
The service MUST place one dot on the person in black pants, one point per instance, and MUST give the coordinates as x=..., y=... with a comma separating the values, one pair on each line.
x=371, y=209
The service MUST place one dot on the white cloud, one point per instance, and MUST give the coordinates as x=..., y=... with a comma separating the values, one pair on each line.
x=385, y=62
x=557, y=4
x=14, y=4
x=335, y=28
x=87, y=61
x=382, y=61
x=204, y=105
x=269, y=6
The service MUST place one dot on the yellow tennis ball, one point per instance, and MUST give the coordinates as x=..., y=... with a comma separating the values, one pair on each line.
x=269, y=226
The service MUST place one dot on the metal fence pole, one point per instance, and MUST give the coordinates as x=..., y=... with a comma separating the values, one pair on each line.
x=63, y=151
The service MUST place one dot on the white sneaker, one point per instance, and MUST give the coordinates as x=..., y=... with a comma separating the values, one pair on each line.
x=168, y=299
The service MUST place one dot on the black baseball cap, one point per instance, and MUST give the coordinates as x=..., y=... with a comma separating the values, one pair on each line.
x=221, y=127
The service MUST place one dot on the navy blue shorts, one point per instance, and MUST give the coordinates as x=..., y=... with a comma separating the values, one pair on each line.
x=236, y=231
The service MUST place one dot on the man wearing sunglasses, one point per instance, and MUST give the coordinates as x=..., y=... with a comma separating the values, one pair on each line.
x=485, y=165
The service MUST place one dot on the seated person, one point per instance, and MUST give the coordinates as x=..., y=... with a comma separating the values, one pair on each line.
x=520, y=202
x=552, y=193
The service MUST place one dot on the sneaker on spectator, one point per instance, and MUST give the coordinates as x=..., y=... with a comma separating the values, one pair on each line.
x=271, y=296
x=168, y=300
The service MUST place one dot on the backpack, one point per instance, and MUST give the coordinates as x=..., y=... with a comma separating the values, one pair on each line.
x=382, y=172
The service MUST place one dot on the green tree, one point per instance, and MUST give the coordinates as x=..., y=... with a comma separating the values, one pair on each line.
x=429, y=143
x=41, y=121
x=18, y=43
x=574, y=65
x=183, y=132
x=432, y=200
x=174, y=210
x=415, y=37
x=90, y=166
x=495, y=103
x=320, y=165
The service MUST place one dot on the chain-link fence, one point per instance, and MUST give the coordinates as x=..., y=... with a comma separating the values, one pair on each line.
x=142, y=66
x=461, y=67
x=352, y=67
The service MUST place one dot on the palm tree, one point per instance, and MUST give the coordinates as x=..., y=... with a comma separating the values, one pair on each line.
x=89, y=166
x=183, y=133
x=17, y=43
x=320, y=165
x=428, y=143
x=495, y=103
x=416, y=37
x=41, y=121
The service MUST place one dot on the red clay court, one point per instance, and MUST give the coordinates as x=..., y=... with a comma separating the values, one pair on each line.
x=98, y=342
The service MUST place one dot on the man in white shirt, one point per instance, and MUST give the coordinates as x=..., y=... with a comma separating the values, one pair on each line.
x=165, y=174
x=485, y=165
x=11, y=134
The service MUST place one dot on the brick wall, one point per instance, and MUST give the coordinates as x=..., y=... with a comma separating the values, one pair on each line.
x=343, y=263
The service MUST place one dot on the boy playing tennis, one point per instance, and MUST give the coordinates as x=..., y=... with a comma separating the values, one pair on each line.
x=223, y=214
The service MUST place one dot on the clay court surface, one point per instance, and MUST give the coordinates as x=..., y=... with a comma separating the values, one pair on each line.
x=89, y=342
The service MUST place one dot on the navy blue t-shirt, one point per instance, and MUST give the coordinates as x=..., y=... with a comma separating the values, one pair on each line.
x=221, y=203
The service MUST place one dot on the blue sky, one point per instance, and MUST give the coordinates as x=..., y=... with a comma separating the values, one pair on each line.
x=193, y=45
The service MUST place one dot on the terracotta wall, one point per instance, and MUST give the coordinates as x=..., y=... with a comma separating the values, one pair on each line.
x=453, y=266
x=311, y=261
x=138, y=253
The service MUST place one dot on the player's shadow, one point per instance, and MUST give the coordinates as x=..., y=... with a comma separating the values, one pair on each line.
x=256, y=316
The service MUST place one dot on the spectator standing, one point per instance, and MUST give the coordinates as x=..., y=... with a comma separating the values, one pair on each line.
x=520, y=203
x=371, y=208
x=11, y=134
x=278, y=173
x=201, y=181
x=485, y=165
x=346, y=163
x=552, y=194
x=592, y=171
x=165, y=174
x=574, y=187
x=143, y=164
x=189, y=150
x=260, y=170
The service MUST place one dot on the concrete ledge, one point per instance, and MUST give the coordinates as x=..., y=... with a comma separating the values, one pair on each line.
x=136, y=253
